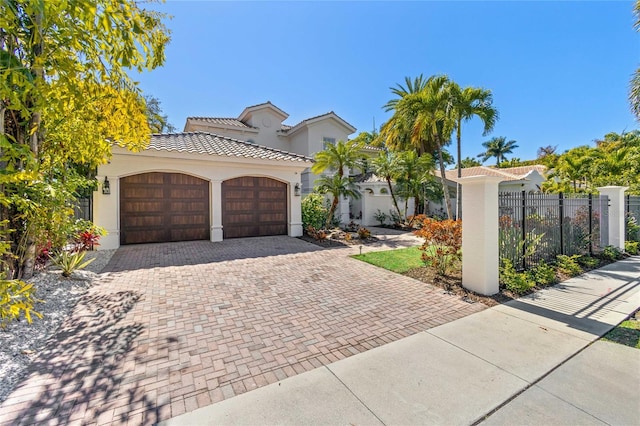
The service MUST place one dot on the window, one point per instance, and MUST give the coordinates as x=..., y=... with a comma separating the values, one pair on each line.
x=327, y=141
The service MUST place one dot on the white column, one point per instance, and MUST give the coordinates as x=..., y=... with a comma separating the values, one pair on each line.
x=106, y=212
x=343, y=210
x=295, y=211
x=480, y=253
x=216, y=210
x=616, y=214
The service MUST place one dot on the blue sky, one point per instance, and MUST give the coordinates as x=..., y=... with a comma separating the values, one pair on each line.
x=559, y=71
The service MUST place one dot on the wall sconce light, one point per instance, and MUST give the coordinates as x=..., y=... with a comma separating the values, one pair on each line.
x=296, y=190
x=106, y=188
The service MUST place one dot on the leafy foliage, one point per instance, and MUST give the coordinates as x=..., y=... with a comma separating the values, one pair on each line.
x=497, y=147
x=70, y=261
x=337, y=186
x=314, y=212
x=16, y=298
x=363, y=233
x=381, y=217
x=66, y=99
x=611, y=253
x=443, y=243
x=632, y=247
x=568, y=265
x=517, y=282
x=543, y=274
x=316, y=234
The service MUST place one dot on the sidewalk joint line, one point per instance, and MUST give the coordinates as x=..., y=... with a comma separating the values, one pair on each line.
x=355, y=396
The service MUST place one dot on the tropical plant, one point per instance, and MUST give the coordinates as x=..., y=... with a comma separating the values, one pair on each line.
x=497, y=147
x=470, y=162
x=337, y=157
x=468, y=103
x=70, y=261
x=413, y=173
x=611, y=253
x=16, y=298
x=66, y=99
x=632, y=247
x=337, y=186
x=386, y=167
x=517, y=282
x=568, y=265
x=545, y=151
x=442, y=243
x=422, y=122
x=363, y=233
x=381, y=217
x=314, y=212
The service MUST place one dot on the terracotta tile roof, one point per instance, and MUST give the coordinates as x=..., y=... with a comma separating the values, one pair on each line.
x=225, y=121
x=509, y=174
x=307, y=120
x=210, y=144
x=368, y=177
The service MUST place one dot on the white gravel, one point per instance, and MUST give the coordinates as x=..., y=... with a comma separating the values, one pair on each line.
x=21, y=342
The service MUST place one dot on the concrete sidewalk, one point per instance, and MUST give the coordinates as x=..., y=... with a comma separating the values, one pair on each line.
x=512, y=364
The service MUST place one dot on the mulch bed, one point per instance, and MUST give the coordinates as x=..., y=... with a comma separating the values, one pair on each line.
x=340, y=239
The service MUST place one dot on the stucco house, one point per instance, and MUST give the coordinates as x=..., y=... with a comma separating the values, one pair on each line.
x=220, y=178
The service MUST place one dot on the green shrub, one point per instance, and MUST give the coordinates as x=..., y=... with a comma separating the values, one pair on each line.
x=70, y=261
x=314, y=211
x=517, y=282
x=632, y=247
x=568, y=265
x=588, y=262
x=633, y=229
x=380, y=217
x=611, y=253
x=16, y=297
x=543, y=274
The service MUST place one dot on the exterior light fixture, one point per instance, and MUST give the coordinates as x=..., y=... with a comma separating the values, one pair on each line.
x=296, y=190
x=106, y=188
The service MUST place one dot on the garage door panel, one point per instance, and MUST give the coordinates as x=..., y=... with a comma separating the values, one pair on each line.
x=161, y=207
x=254, y=206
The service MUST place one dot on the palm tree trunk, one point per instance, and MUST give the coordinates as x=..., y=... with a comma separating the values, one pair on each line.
x=393, y=196
x=445, y=187
x=332, y=210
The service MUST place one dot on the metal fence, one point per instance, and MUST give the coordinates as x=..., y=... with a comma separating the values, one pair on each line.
x=83, y=209
x=538, y=227
x=632, y=209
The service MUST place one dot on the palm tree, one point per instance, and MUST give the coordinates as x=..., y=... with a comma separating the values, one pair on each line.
x=468, y=103
x=337, y=186
x=497, y=147
x=413, y=173
x=337, y=157
x=385, y=166
x=422, y=121
x=416, y=86
x=545, y=151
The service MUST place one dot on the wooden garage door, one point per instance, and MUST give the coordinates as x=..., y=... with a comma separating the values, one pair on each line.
x=253, y=206
x=163, y=207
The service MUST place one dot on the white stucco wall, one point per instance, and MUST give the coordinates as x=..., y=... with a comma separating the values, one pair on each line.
x=212, y=168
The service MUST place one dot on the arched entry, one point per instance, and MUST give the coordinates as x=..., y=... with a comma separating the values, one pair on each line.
x=161, y=207
x=253, y=206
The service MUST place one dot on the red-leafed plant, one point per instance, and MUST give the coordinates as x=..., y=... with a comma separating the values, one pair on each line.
x=442, y=243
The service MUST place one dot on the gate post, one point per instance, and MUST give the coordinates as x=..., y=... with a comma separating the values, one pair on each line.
x=616, y=214
x=216, y=210
x=480, y=252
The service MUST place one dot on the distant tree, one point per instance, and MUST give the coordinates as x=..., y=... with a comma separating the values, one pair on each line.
x=158, y=122
x=386, y=167
x=544, y=151
x=497, y=147
x=413, y=172
x=470, y=162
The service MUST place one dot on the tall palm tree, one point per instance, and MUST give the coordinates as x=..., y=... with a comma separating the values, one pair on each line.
x=336, y=186
x=413, y=173
x=468, y=103
x=497, y=147
x=386, y=167
x=422, y=121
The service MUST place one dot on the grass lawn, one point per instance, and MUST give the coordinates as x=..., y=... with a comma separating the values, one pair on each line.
x=627, y=333
x=400, y=260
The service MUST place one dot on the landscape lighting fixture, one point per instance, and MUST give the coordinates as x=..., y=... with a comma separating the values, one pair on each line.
x=296, y=190
x=106, y=188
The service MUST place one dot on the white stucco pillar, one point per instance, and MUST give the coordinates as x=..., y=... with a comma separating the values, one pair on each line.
x=295, y=210
x=617, y=230
x=343, y=210
x=216, y=210
x=480, y=253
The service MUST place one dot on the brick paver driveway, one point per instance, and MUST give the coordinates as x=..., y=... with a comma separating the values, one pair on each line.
x=174, y=327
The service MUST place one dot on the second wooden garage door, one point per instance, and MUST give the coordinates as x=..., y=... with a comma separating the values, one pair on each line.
x=163, y=207
x=253, y=206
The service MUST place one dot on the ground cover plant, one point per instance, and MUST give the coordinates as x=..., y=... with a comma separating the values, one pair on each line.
x=627, y=332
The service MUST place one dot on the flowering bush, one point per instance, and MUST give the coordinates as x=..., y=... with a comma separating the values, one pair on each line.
x=442, y=242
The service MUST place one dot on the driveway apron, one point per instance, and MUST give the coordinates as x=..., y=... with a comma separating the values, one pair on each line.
x=169, y=328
